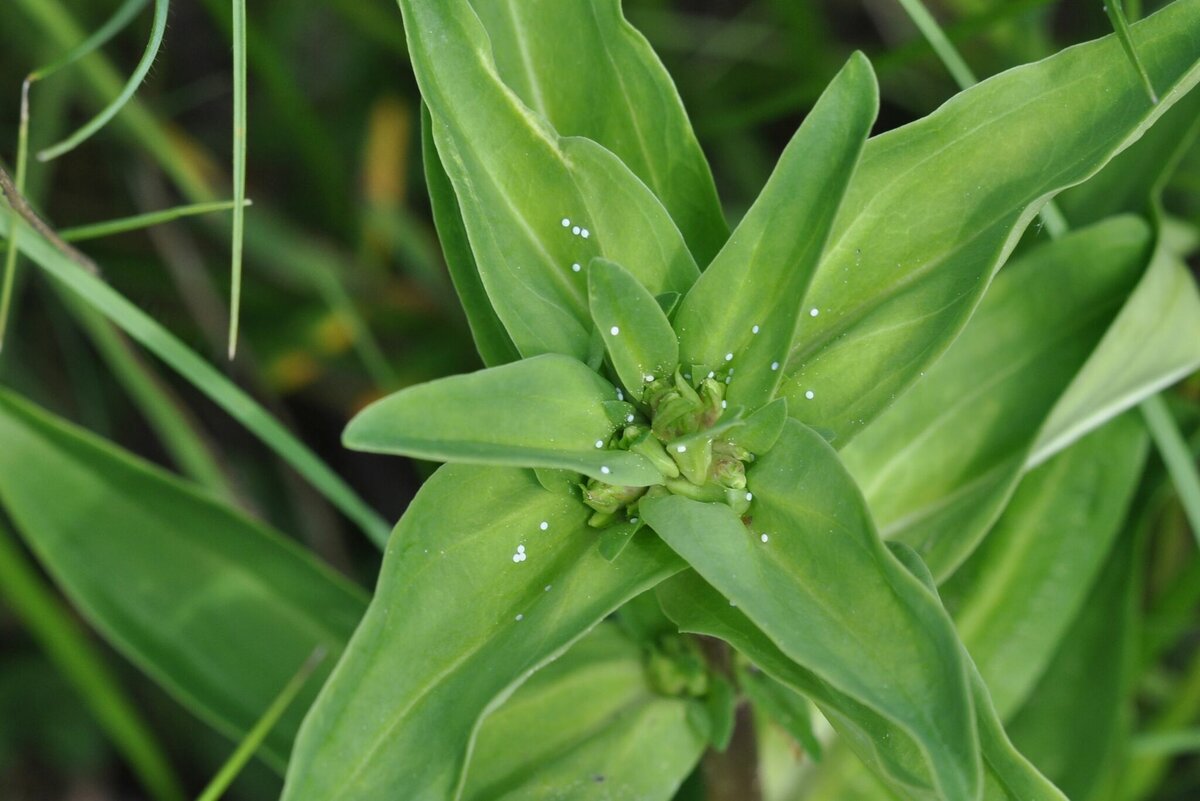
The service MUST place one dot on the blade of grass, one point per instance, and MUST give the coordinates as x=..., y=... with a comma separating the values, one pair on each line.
x=239, y=168
x=940, y=43
x=1167, y=743
x=158, y=28
x=1116, y=14
x=254, y=738
x=271, y=240
x=10, y=256
x=1178, y=457
x=1052, y=218
x=136, y=222
x=51, y=625
x=144, y=329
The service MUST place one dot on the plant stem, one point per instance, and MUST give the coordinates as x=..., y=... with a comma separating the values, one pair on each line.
x=732, y=774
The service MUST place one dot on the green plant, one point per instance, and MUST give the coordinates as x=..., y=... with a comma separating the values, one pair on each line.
x=835, y=459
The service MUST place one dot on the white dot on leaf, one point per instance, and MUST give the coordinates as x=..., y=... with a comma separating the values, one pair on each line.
x=728, y=357
x=681, y=448
x=585, y=233
x=764, y=538
x=576, y=267
x=809, y=394
x=604, y=469
x=576, y=230
x=566, y=222
x=544, y=525
x=754, y=330
x=774, y=365
x=814, y=312
x=614, y=330
x=599, y=443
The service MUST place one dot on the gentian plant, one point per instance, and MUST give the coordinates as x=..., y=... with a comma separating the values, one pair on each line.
x=710, y=482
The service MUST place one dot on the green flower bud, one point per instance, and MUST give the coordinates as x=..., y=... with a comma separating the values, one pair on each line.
x=737, y=500
x=729, y=472
x=676, y=667
x=647, y=445
x=609, y=498
x=694, y=457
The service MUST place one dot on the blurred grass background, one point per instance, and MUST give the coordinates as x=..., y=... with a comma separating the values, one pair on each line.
x=345, y=294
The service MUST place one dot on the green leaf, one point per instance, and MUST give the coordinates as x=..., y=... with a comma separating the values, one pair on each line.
x=491, y=340
x=778, y=702
x=883, y=746
x=1018, y=594
x=548, y=411
x=588, y=726
x=937, y=467
x=69, y=649
x=1154, y=342
x=1075, y=724
x=763, y=428
x=824, y=588
x=937, y=205
x=584, y=68
x=456, y=623
x=744, y=310
x=636, y=332
x=533, y=203
x=239, y=405
x=1129, y=181
x=214, y=607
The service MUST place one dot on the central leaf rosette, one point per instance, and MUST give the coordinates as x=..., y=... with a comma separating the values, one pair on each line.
x=687, y=437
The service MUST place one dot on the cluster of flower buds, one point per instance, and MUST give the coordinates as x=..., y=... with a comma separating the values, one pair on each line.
x=687, y=439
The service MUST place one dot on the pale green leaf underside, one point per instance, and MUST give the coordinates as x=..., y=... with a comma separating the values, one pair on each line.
x=584, y=68
x=588, y=726
x=636, y=332
x=938, y=465
x=825, y=589
x=518, y=182
x=936, y=205
x=217, y=609
x=1014, y=599
x=456, y=623
x=549, y=411
x=747, y=302
x=1154, y=342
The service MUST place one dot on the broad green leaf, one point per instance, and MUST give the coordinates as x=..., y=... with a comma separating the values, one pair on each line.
x=487, y=577
x=587, y=726
x=937, y=205
x=1075, y=723
x=810, y=571
x=1016, y=596
x=217, y=609
x=1127, y=184
x=491, y=340
x=882, y=746
x=636, y=332
x=548, y=411
x=584, y=68
x=938, y=465
x=743, y=312
x=1154, y=342
x=533, y=203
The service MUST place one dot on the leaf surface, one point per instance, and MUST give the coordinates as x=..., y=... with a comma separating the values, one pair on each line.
x=938, y=466
x=747, y=303
x=589, y=727
x=1017, y=595
x=216, y=608
x=825, y=589
x=457, y=622
x=937, y=205
x=584, y=68
x=533, y=203
x=549, y=411
x=636, y=332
